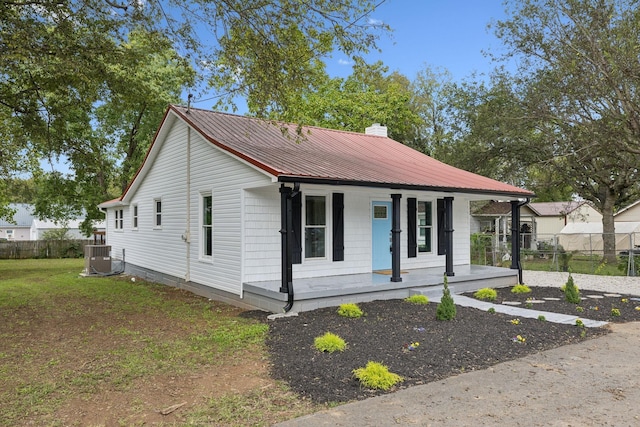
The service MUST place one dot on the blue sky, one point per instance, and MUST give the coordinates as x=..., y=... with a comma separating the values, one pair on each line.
x=441, y=34
x=449, y=34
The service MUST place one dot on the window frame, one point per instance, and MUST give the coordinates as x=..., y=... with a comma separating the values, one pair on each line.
x=157, y=213
x=428, y=227
x=324, y=227
x=134, y=216
x=202, y=227
x=119, y=219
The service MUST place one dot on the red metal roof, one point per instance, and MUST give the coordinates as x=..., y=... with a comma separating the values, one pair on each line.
x=332, y=156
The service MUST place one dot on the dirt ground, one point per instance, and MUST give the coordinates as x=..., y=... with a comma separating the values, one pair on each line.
x=61, y=345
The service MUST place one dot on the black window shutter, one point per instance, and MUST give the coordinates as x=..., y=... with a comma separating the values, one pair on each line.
x=338, y=226
x=412, y=228
x=442, y=244
x=296, y=205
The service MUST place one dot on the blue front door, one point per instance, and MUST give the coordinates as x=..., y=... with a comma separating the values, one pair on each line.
x=381, y=235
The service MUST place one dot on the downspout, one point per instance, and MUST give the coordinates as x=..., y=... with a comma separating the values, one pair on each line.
x=187, y=234
x=286, y=238
x=515, y=236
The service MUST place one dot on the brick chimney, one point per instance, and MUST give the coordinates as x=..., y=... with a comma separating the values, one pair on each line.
x=376, y=129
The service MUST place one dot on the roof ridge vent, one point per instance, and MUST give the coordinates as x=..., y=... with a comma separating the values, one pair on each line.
x=376, y=129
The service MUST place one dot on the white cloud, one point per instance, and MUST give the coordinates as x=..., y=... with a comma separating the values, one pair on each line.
x=374, y=22
x=344, y=62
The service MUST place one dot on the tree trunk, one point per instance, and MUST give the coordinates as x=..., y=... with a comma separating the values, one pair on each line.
x=608, y=230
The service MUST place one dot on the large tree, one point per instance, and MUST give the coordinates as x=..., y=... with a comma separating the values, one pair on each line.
x=580, y=62
x=79, y=87
x=369, y=95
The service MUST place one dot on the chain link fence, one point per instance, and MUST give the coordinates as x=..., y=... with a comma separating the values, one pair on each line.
x=577, y=252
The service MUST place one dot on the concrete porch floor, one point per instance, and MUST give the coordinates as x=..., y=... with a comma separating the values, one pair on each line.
x=330, y=291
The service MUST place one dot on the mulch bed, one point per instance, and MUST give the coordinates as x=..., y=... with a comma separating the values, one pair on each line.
x=474, y=340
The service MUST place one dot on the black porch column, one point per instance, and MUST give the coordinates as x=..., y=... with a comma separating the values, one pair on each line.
x=395, y=238
x=286, y=227
x=515, y=238
x=448, y=235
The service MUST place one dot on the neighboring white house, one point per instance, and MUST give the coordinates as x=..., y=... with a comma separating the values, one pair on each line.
x=26, y=226
x=552, y=217
x=630, y=213
x=40, y=227
x=20, y=227
x=222, y=201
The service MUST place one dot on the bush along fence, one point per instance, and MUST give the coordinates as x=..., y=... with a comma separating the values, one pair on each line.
x=43, y=249
x=578, y=252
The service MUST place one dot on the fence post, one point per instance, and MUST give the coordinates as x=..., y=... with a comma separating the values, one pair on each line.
x=631, y=270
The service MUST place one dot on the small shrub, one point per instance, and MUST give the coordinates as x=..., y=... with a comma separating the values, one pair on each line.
x=529, y=305
x=615, y=312
x=542, y=318
x=329, y=342
x=492, y=310
x=520, y=289
x=571, y=292
x=376, y=375
x=579, y=323
x=350, y=310
x=515, y=321
x=580, y=309
x=417, y=299
x=446, y=309
x=486, y=294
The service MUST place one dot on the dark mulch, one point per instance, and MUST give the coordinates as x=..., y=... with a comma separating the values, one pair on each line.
x=595, y=305
x=473, y=340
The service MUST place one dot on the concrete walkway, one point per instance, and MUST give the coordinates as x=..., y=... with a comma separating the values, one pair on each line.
x=566, y=319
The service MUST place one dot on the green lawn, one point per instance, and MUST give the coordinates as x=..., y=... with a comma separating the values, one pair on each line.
x=68, y=342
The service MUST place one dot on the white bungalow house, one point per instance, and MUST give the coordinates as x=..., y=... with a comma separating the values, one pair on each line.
x=232, y=208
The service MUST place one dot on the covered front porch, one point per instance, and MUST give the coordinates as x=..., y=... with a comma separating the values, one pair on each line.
x=329, y=291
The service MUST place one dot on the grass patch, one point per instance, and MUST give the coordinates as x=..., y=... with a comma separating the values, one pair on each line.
x=66, y=338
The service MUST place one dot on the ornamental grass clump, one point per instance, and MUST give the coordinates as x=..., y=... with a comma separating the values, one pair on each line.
x=417, y=299
x=446, y=309
x=520, y=289
x=376, y=375
x=571, y=292
x=486, y=294
x=329, y=343
x=350, y=310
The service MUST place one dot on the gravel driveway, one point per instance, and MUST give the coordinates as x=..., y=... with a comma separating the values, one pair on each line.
x=593, y=383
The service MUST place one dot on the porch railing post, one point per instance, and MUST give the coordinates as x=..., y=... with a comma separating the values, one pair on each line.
x=395, y=238
x=448, y=234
